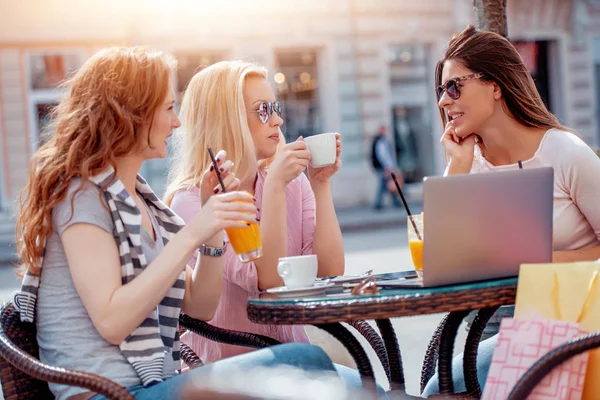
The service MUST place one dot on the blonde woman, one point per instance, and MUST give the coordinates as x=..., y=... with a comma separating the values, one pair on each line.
x=231, y=106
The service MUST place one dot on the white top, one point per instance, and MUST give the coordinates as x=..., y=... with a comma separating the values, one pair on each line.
x=576, y=187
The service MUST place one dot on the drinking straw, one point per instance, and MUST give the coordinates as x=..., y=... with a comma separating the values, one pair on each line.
x=216, y=167
x=410, y=216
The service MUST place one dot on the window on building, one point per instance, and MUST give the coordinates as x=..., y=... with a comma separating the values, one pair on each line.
x=411, y=104
x=535, y=57
x=190, y=63
x=47, y=70
x=44, y=111
x=296, y=87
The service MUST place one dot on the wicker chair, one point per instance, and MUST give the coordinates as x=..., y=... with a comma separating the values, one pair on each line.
x=23, y=376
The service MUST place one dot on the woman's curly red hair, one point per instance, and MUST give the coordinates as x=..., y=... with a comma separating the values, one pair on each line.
x=108, y=105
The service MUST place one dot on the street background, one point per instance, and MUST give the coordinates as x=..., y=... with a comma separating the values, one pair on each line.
x=346, y=66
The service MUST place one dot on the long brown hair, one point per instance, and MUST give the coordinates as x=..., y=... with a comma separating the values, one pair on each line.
x=108, y=105
x=500, y=62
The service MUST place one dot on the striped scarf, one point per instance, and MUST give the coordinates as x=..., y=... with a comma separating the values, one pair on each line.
x=158, y=335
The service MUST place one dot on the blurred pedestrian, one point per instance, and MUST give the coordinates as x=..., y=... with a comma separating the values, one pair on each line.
x=384, y=163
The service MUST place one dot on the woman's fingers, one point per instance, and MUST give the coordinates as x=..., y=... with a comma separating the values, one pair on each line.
x=220, y=156
x=297, y=145
x=226, y=166
x=449, y=135
x=232, y=183
x=452, y=133
x=302, y=154
x=229, y=223
x=228, y=179
x=241, y=207
x=238, y=216
x=471, y=139
x=301, y=163
x=236, y=196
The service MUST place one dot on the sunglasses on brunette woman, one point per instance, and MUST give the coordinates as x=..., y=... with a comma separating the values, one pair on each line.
x=453, y=88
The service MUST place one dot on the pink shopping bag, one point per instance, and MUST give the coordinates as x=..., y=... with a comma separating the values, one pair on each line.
x=521, y=342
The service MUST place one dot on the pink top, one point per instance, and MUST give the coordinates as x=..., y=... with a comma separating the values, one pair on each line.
x=241, y=279
x=576, y=187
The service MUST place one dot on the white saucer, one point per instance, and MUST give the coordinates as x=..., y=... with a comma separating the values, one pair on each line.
x=315, y=290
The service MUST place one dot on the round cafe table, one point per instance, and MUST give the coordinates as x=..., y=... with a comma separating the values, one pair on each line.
x=329, y=310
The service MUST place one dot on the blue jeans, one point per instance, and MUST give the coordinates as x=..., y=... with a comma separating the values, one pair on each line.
x=484, y=361
x=493, y=325
x=300, y=355
x=484, y=353
x=382, y=190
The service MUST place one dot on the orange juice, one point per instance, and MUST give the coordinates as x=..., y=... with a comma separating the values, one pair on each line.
x=244, y=240
x=416, y=251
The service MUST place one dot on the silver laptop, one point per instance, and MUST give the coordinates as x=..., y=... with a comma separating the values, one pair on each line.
x=484, y=226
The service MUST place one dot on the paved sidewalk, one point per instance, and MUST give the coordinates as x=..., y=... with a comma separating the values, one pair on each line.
x=366, y=218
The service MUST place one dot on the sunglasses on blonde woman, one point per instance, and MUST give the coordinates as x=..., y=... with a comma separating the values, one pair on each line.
x=266, y=109
x=452, y=88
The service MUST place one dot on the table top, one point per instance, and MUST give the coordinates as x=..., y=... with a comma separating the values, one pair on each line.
x=389, y=303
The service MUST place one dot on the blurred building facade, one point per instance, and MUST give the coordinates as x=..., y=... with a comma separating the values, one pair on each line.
x=336, y=65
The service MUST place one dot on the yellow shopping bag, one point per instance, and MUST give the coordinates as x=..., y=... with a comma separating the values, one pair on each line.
x=567, y=292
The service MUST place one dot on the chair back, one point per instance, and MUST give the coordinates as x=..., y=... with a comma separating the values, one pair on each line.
x=17, y=385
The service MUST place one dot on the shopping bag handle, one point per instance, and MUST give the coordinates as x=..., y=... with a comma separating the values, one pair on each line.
x=586, y=303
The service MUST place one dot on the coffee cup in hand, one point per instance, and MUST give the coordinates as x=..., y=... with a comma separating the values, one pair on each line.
x=298, y=272
x=322, y=149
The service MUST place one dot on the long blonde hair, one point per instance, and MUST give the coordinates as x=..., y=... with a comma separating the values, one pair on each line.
x=213, y=114
x=109, y=103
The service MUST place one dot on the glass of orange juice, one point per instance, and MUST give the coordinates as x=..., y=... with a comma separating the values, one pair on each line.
x=246, y=242
x=415, y=241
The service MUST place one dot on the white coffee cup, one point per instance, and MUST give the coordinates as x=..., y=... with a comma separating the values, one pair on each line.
x=298, y=272
x=322, y=149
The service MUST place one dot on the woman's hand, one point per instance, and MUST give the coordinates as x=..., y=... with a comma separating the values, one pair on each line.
x=209, y=183
x=291, y=161
x=221, y=211
x=323, y=174
x=460, y=151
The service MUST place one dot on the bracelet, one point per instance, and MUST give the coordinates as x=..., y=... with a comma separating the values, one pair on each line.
x=212, y=251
